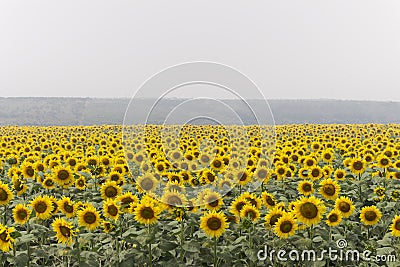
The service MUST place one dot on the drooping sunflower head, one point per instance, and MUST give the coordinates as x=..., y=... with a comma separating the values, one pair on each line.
x=370, y=215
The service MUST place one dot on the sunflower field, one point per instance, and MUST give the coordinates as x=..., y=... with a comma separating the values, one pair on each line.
x=207, y=196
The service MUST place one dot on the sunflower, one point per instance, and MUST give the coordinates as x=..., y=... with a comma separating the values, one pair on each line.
x=339, y=174
x=80, y=183
x=309, y=210
x=213, y=223
x=213, y=201
x=107, y=226
x=273, y=216
x=237, y=205
x=110, y=189
x=64, y=231
x=21, y=214
x=253, y=199
x=327, y=156
x=285, y=226
x=329, y=189
x=370, y=215
x=395, y=227
x=6, y=241
x=249, y=211
x=89, y=217
x=111, y=209
x=28, y=169
x=268, y=200
x=147, y=212
x=205, y=159
x=357, y=166
x=146, y=183
x=42, y=205
x=116, y=177
x=6, y=194
x=345, y=206
x=261, y=174
x=126, y=199
x=315, y=173
x=63, y=176
x=67, y=207
x=49, y=183
x=174, y=199
x=305, y=187
x=217, y=164
x=334, y=218
x=208, y=177
x=383, y=161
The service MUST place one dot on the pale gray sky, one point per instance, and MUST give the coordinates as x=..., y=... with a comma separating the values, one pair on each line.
x=346, y=49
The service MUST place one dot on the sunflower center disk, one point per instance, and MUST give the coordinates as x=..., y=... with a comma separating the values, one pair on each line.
x=111, y=192
x=333, y=218
x=286, y=227
x=113, y=210
x=89, y=218
x=397, y=225
x=309, y=210
x=148, y=213
x=22, y=214
x=329, y=189
x=274, y=219
x=65, y=231
x=4, y=237
x=41, y=207
x=63, y=175
x=344, y=207
x=3, y=195
x=214, y=224
x=370, y=215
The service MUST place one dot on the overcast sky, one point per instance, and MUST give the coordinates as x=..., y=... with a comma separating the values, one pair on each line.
x=291, y=49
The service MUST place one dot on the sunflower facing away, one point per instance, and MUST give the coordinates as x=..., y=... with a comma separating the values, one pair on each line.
x=213, y=223
x=64, y=231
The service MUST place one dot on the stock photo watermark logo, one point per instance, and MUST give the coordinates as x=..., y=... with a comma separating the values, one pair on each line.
x=340, y=253
x=215, y=107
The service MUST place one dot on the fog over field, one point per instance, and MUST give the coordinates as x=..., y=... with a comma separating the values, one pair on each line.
x=96, y=111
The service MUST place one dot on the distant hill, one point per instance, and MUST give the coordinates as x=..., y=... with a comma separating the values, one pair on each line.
x=95, y=111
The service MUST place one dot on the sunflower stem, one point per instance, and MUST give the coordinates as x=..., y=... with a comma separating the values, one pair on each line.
x=149, y=247
x=215, y=251
x=181, y=239
x=28, y=245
